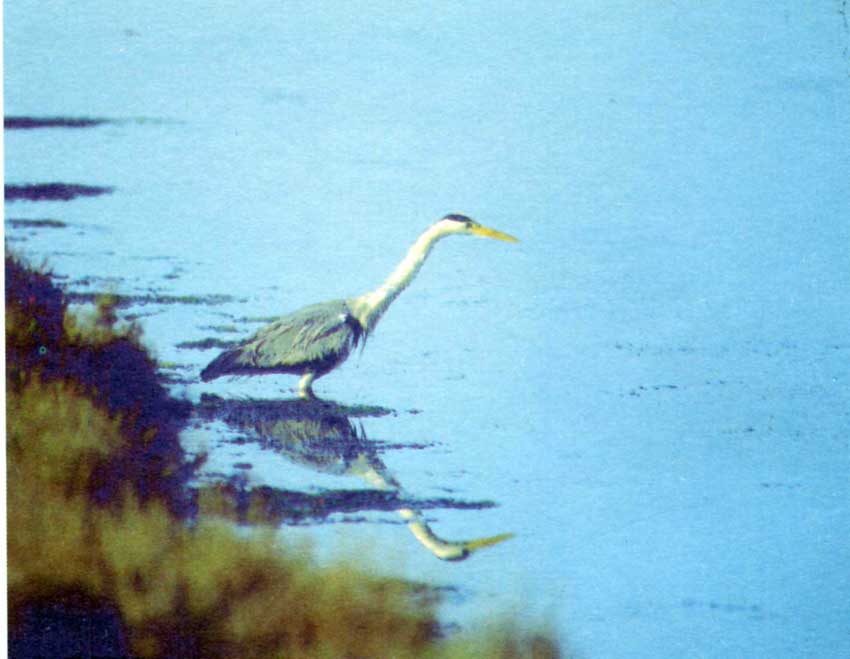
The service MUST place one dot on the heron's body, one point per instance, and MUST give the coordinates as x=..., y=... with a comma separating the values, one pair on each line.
x=311, y=341
x=316, y=339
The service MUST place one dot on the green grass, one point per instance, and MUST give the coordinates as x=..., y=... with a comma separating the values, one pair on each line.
x=101, y=558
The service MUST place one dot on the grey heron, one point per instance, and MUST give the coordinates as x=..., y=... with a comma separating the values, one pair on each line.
x=313, y=341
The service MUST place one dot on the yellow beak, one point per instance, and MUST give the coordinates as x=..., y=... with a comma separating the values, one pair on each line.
x=487, y=232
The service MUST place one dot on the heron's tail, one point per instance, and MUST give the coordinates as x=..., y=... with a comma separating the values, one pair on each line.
x=225, y=363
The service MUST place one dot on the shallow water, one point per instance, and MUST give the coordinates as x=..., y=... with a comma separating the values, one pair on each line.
x=650, y=390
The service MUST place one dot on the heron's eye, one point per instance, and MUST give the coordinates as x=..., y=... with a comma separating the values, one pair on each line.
x=42, y=350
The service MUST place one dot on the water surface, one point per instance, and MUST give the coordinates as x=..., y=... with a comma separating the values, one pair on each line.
x=650, y=390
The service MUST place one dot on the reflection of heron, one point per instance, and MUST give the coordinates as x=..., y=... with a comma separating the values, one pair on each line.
x=448, y=550
x=315, y=340
x=322, y=437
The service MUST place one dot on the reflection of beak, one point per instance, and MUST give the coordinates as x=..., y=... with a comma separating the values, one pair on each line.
x=446, y=550
x=487, y=232
x=473, y=545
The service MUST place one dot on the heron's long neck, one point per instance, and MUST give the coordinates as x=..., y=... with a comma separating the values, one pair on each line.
x=370, y=307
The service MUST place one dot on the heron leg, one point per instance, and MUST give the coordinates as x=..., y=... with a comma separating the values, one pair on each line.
x=305, y=385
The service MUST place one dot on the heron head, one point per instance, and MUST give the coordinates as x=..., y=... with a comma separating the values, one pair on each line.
x=457, y=223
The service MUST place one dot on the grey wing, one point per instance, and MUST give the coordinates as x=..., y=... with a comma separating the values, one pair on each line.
x=318, y=336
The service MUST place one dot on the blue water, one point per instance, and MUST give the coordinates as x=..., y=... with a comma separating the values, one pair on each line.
x=653, y=385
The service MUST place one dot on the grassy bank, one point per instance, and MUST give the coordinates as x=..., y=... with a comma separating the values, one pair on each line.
x=101, y=559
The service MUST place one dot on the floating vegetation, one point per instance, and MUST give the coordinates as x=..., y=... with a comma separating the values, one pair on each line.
x=169, y=373
x=253, y=410
x=256, y=319
x=76, y=297
x=45, y=223
x=268, y=505
x=33, y=123
x=230, y=329
x=152, y=258
x=102, y=562
x=29, y=123
x=53, y=191
x=137, y=316
x=205, y=344
x=173, y=365
x=273, y=506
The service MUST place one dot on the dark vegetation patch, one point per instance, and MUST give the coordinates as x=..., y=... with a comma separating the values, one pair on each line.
x=258, y=409
x=87, y=280
x=175, y=379
x=256, y=319
x=136, y=316
x=206, y=344
x=396, y=446
x=783, y=486
x=642, y=389
x=753, y=611
x=67, y=622
x=53, y=191
x=123, y=301
x=101, y=561
x=230, y=329
x=29, y=123
x=269, y=505
x=68, y=367
x=45, y=223
x=152, y=258
x=232, y=499
x=169, y=373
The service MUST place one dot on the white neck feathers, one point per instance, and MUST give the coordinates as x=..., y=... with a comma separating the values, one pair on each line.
x=369, y=308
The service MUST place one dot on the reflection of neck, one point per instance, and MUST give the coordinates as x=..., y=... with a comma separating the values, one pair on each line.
x=374, y=472
x=369, y=308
